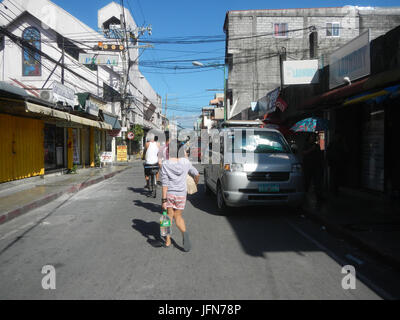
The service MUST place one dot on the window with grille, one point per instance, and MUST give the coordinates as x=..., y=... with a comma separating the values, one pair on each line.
x=281, y=30
x=332, y=29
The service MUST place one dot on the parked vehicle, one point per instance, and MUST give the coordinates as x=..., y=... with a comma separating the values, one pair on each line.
x=257, y=168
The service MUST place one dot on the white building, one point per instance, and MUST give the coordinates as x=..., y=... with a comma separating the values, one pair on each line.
x=146, y=103
x=53, y=30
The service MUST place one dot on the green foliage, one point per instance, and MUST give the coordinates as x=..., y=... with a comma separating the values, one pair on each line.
x=138, y=131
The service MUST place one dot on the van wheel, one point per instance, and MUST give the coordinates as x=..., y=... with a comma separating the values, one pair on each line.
x=222, y=208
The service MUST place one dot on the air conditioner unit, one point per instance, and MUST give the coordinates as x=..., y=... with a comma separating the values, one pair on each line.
x=47, y=95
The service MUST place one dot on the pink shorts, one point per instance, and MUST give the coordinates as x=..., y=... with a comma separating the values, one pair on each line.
x=176, y=202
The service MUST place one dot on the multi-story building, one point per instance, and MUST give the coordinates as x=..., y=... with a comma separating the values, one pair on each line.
x=258, y=40
x=41, y=49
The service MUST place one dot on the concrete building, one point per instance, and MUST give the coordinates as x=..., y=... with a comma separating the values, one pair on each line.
x=258, y=40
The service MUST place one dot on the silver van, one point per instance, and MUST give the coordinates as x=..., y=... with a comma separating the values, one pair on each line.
x=253, y=166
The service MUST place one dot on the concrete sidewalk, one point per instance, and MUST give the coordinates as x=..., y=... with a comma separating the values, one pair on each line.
x=19, y=197
x=370, y=222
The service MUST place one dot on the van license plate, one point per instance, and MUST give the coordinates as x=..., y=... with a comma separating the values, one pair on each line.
x=268, y=188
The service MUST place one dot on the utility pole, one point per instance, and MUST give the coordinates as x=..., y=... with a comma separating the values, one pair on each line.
x=282, y=57
x=225, y=90
x=166, y=105
x=313, y=43
x=125, y=75
x=127, y=63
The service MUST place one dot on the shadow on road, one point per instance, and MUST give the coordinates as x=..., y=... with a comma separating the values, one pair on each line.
x=260, y=230
x=264, y=230
x=142, y=191
x=203, y=202
x=151, y=231
x=148, y=205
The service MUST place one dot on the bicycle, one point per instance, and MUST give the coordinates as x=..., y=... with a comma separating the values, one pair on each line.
x=152, y=172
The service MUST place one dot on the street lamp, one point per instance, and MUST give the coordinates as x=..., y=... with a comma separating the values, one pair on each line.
x=199, y=64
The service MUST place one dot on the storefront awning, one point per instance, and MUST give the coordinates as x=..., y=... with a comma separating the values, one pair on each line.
x=45, y=111
x=112, y=121
x=378, y=96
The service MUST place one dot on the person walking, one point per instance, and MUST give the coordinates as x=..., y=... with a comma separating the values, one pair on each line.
x=162, y=152
x=313, y=166
x=151, y=157
x=174, y=172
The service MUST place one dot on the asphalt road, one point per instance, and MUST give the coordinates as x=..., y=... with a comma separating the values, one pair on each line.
x=103, y=244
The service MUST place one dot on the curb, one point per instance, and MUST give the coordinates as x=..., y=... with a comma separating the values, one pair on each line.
x=348, y=236
x=8, y=216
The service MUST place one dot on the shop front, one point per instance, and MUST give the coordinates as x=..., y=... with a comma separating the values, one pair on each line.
x=110, y=143
x=90, y=105
x=368, y=122
x=37, y=137
x=54, y=144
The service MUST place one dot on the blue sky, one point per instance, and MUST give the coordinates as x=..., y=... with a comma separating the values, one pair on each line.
x=189, y=90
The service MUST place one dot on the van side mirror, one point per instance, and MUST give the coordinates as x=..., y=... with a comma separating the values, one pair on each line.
x=294, y=148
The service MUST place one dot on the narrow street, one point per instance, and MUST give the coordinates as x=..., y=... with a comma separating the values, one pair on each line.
x=103, y=244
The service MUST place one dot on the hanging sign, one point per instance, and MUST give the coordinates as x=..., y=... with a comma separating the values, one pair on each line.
x=92, y=108
x=64, y=94
x=99, y=59
x=267, y=104
x=300, y=72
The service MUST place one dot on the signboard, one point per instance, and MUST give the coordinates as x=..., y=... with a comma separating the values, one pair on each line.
x=353, y=60
x=106, y=157
x=92, y=108
x=300, y=72
x=99, y=59
x=114, y=133
x=122, y=153
x=131, y=136
x=64, y=94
